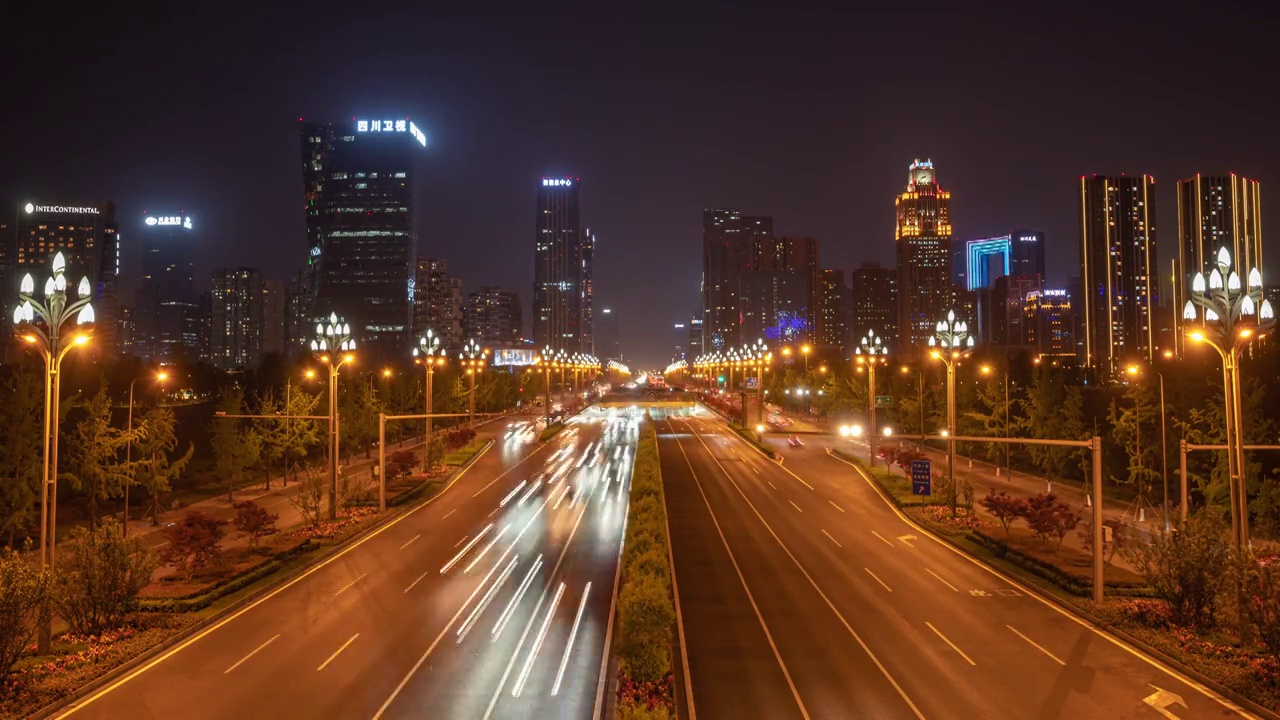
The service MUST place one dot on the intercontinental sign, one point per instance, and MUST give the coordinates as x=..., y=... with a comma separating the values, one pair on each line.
x=63, y=209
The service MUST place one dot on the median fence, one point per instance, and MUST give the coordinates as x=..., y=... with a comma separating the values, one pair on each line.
x=646, y=612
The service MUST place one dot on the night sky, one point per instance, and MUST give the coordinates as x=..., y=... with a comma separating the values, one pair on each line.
x=810, y=117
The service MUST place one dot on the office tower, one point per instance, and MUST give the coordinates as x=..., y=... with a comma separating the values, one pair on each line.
x=606, y=333
x=1117, y=259
x=559, y=264
x=779, y=289
x=237, y=318
x=588, y=298
x=1051, y=323
x=1002, y=315
x=682, y=349
x=1215, y=212
x=275, y=299
x=299, y=328
x=438, y=302
x=874, y=305
x=923, y=237
x=492, y=317
x=697, y=338
x=358, y=197
x=124, y=332
x=166, y=305
x=832, y=302
x=978, y=263
x=727, y=237
x=1026, y=253
x=33, y=231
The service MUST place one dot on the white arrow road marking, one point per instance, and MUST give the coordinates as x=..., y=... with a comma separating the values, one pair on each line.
x=1161, y=699
x=907, y=540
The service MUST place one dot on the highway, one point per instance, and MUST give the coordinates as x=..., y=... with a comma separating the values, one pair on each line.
x=492, y=600
x=804, y=594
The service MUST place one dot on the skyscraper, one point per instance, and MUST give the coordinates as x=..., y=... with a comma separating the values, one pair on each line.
x=492, y=317
x=1215, y=212
x=275, y=301
x=237, y=317
x=779, y=290
x=727, y=238
x=438, y=302
x=875, y=303
x=358, y=198
x=923, y=237
x=1051, y=323
x=559, y=264
x=166, y=305
x=1117, y=258
x=588, y=292
x=832, y=320
x=606, y=334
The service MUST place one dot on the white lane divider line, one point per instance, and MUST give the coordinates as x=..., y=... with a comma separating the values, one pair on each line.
x=886, y=542
x=466, y=549
x=485, y=549
x=512, y=494
x=467, y=624
x=836, y=506
x=348, y=585
x=886, y=587
x=837, y=542
x=414, y=584
x=797, y=507
x=446, y=515
x=325, y=664
x=568, y=646
x=515, y=599
x=953, y=645
x=943, y=581
x=253, y=652
x=1036, y=645
x=415, y=537
x=461, y=540
x=775, y=487
x=537, y=643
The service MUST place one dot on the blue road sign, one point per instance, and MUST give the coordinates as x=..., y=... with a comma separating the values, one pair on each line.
x=921, y=478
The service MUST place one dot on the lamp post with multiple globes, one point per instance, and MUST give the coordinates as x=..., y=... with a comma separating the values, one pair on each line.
x=428, y=353
x=333, y=346
x=950, y=342
x=871, y=352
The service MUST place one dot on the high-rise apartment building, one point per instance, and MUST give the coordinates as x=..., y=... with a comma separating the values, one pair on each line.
x=438, y=302
x=237, y=318
x=560, y=269
x=588, y=292
x=606, y=335
x=492, y=317
x=358, y=197
x=166, y=305
x=779, y=290
x=832, y=302
x=1117, y=259
x=1215, y=212
x=923, y=237
x=727, y=240
x=874, y=304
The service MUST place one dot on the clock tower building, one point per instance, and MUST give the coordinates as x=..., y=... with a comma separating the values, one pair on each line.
x=923, y=239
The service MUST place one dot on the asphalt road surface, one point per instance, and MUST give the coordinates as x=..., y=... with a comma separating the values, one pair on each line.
x=804, y=594
x=493, y=600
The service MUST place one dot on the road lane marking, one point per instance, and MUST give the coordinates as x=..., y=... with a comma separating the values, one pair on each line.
x=944, y=582
x=537, y=643
x=414, y=584
x=253, y=652
x=886, y=541
x=886, y=587
x=1036, y=645
x=488, y=596
x=775, y=487
x=415, y=537
x=837, y=542
x=836, y=506
x=568, y=646
x=353, y=582
x=466, y=549
x=325, y=664
x=797, y=507
x=446, y=515
x=947, y=641
x=461, y=540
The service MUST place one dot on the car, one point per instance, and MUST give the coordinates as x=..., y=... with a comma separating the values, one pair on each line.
x=794, y=441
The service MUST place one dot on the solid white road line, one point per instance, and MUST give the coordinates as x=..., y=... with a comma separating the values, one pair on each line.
x=573, y=633
x=466, y=549
x=886, y=587
x=415, y=537
x=944, y=582
x=836, y=506
x=325, y=664
x=837, y=542
x=253, y=652
x=886, y=542
x=953, y=645
x=1036, y=645
x=537, y=643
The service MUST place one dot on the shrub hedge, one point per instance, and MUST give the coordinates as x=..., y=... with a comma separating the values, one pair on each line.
x=224, y=588
x=645, y=608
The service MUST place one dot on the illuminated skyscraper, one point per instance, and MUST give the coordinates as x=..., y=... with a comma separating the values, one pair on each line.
x=492, y=317
x=833, y=300
x=166, y=309
x=875, y=303
x=923, y=236
x=562, y=263
x=588, y=292
x=1117, y=259
x=437, y=303
x=727, y=239
x=238, y=317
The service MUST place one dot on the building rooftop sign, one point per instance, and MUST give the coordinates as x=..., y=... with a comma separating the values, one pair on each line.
x=392, y=126
x=65, y=209
x=168, y=220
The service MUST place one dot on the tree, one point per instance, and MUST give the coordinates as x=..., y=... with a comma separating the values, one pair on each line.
x=988, y=417
x=99, y=577
x=1185, y=567
x=156, y=469
x=1049, y=517
x=310, y=495
x=1262, y=590
x=96, y=449
x=254, y=521
x=1118, y=542
x=23, y=590
x=295, y=437
x=1004, y=507
x=21, y=416
x=1135, y=425
x=359, y=414
x=1054, y=410
x=193, y=541
x=235, y=447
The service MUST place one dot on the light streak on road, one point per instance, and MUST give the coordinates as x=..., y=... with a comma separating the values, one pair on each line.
x=511, y=494
x=488, y=596
x=515, y=599
x=568, y=646
x=537, y=643
x=485, y=549
x=465, y=549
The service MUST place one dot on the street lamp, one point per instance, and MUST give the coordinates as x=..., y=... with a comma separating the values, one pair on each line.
x=428, y=353
x=333, y=346
x=871, y=351
x=986, y=370
x=951, y=341
x=1231, y=317
x=1164, y=451
x=128, y=448
x=472, y=358
x=804, y=350
x=50, y=326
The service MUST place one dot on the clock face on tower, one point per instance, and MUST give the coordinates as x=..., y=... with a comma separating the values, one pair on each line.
x=924, y=177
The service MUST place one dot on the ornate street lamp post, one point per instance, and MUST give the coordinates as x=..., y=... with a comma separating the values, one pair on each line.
x=472, y=357
x=428, y=353
x=951, y=341
x=333, y=346
x=871, y=351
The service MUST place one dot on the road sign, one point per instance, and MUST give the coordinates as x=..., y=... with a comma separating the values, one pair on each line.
x=921, y=477
x=884, y=401
x=752, y=383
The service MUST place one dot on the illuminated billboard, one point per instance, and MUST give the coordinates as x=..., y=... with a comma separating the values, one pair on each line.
x=516, y=357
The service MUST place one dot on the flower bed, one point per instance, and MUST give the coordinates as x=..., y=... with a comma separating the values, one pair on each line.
x=939, y=516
